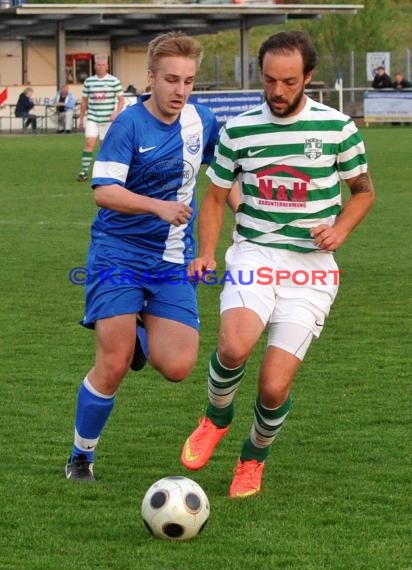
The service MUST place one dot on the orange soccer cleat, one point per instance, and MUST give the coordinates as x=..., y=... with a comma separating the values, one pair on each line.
x=199, y=446
x=247, y=479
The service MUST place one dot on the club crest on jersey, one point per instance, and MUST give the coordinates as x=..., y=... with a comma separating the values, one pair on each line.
x=313, y=148
x=192, y=143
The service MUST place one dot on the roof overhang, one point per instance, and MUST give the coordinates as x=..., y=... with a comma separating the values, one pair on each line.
x=137, y=23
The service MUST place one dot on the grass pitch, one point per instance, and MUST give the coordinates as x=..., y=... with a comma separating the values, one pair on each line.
x=337, y=486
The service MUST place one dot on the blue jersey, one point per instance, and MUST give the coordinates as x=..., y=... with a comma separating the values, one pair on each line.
x=158, y=160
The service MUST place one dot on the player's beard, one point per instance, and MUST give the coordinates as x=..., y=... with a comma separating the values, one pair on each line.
x=290, y=107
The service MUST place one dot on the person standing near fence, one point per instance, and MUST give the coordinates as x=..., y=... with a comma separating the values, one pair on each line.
x=102, y=100
x=381, y=80
x=399, y=82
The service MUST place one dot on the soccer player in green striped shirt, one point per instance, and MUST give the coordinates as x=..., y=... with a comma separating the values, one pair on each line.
x=102, y=100
x=289, y=156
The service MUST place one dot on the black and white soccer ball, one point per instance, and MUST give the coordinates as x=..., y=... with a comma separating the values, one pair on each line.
x=175, y=508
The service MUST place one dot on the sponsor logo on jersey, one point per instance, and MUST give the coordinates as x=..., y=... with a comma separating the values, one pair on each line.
x=283, y=186
x=167, y=175
x=98, y=95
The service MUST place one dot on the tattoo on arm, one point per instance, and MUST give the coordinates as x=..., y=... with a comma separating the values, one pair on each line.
x=362, y=184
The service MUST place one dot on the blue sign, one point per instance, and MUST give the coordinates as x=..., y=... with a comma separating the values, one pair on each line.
x=227, y=104
x=383, y=105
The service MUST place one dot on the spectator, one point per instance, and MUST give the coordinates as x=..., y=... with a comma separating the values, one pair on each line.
x=65, y=103
x=381, y=79
x=24, y=106
x=400, y=82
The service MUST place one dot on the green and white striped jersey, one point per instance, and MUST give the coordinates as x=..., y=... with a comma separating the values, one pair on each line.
x=102, y=94
x=289, y=171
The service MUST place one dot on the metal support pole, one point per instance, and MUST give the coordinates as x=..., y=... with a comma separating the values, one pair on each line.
x=24, y=63
x=60, y=55
x=408, y=64
x=352, y=76
x=244, y=55
x=216, y=67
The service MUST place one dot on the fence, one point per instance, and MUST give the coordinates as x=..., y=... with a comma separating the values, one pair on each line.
x=362, y=104
x=44, y=110
x=45, y=115
x=220, y=71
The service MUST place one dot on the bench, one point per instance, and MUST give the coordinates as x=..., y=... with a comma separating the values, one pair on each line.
x=16, y=124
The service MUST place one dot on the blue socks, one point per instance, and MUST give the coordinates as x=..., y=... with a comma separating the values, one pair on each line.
x=93, y=411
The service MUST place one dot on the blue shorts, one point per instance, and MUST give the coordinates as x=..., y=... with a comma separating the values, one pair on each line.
x=123, y=282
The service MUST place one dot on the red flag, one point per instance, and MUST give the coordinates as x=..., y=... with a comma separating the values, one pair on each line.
x=3, y=96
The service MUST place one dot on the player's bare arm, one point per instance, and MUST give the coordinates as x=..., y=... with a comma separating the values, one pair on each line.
x=119, y=108
x=115, y=197
x=233, y=199
x=211, y=217
x=83, y=110
x=355, y=209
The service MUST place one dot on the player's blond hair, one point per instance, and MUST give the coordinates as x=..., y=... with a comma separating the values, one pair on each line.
x=173, y=44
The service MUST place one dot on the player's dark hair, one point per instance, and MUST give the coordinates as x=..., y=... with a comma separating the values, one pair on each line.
x=173, y=44
x=287, y=42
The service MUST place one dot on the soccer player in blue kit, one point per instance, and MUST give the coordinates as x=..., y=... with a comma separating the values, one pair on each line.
x=144, y=182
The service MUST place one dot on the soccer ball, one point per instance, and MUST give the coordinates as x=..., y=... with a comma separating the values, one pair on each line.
x=175, y=508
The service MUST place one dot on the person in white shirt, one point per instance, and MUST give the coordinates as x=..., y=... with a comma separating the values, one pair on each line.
x=65, y=103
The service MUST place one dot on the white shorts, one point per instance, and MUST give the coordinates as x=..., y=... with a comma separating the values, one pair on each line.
x=96, y=130
x=281, y=286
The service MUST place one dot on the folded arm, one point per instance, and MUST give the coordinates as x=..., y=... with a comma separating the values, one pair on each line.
x=115, y=197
